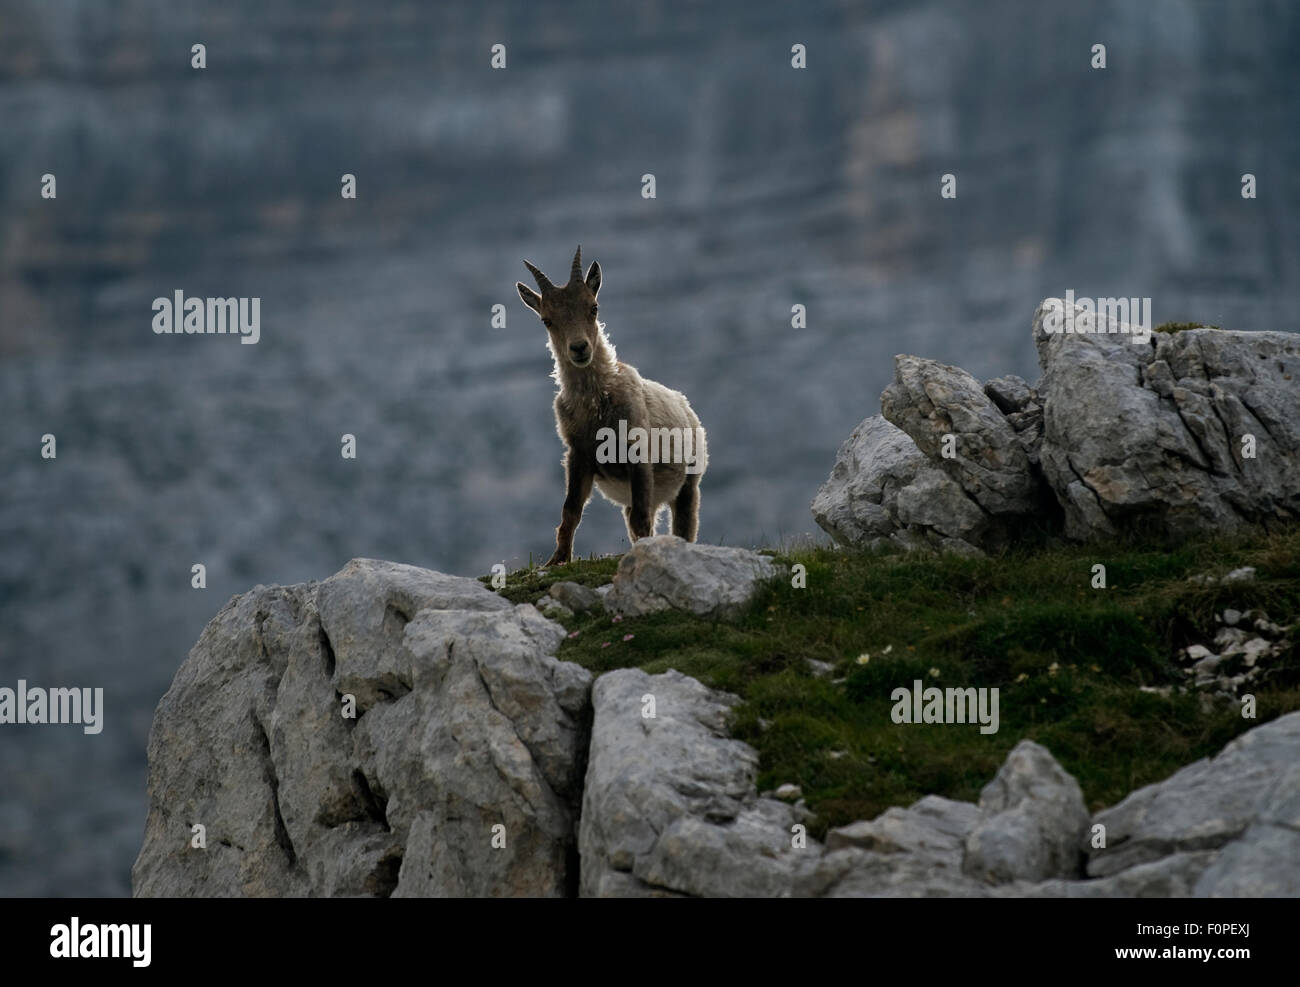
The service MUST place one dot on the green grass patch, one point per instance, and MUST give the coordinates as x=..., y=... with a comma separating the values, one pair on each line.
x=526, y=585
x=1068, y=661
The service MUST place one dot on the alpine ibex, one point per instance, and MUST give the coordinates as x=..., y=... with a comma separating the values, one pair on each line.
x=638, y=441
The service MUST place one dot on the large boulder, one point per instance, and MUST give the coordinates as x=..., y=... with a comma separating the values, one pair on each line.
x=883, y=491
x=951, y=466
x=1025, y=830
x=1033, y=817
x=459, y=774
x=940, y=406
x=670, y=807
x=1227, y=826
x=1156, y=434
x=666, y=572
x=1180, y=434
x=1244, y=804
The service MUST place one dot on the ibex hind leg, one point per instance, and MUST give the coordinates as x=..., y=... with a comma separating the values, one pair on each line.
x=686, y=508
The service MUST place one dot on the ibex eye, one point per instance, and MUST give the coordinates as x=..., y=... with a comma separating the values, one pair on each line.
x=547, y=323
x=595, y=309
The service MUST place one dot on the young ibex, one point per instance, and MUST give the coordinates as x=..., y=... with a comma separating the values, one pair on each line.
x=601, y=405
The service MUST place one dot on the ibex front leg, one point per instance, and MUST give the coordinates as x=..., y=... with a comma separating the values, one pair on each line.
x=579, y=477
x=640, y=515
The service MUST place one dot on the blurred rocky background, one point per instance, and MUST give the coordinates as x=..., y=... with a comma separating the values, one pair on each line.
x=775, y=186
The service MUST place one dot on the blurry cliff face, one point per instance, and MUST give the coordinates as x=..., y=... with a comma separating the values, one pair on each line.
x=774, y=187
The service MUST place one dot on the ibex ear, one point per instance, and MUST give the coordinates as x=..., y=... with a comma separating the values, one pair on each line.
x=593, y=278
x=531, y=298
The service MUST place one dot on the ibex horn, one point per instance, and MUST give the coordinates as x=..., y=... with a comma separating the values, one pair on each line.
x=543, y=281
x=576, y=273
